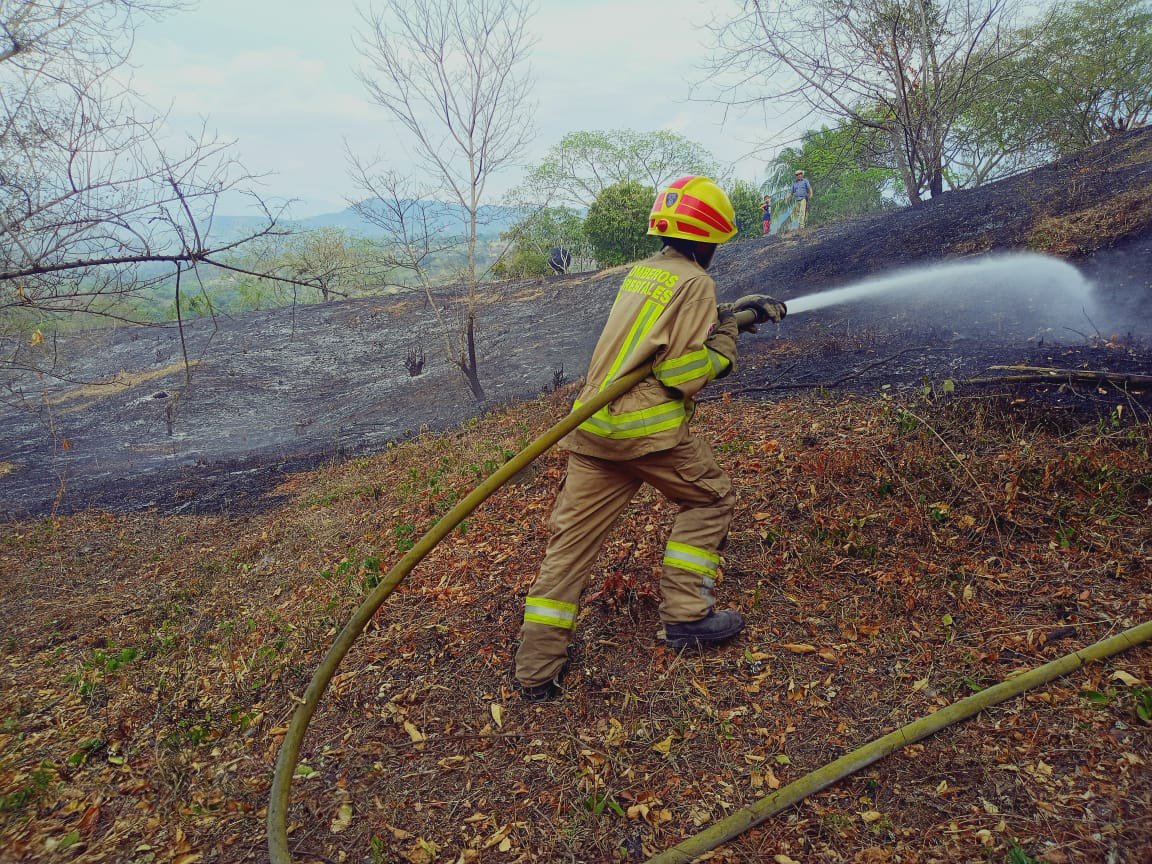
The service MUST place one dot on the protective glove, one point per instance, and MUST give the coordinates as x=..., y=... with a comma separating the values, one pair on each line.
x=766, y=309
x=726, y=311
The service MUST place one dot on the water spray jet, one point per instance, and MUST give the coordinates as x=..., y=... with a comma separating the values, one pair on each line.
x=1035, y=291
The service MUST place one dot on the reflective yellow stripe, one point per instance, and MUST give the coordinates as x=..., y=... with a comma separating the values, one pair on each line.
x=696, y=364
x=719, y=363
x=555, y=613
x=634, y=424
x=649, y=312
x=693, y=559
x=705, y=363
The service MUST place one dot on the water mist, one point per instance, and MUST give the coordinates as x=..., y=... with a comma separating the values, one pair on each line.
x=1034, y=292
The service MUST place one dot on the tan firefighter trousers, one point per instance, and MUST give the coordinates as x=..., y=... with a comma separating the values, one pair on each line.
x=594, y=494
x=800, y=212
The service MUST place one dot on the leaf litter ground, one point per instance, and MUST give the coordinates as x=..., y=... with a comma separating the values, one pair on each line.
x=892, y=555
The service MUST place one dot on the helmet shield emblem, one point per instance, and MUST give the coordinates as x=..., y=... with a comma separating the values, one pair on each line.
x=671, y=198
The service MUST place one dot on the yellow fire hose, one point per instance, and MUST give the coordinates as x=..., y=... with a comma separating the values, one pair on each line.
x=294, y=737
x=809, y=784
x=727, y=828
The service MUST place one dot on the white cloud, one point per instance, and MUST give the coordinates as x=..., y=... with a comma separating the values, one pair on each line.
x=279, y=79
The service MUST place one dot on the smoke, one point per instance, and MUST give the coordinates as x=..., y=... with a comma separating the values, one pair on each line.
x=1025, y=294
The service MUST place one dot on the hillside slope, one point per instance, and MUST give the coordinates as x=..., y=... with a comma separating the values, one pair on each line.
x=891, y=556
x=1093, y=208
x=894, y=549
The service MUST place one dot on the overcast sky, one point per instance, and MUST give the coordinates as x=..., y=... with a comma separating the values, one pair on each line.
x=278, y=78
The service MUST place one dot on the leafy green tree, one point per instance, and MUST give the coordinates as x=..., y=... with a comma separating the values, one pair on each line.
x=251, y=293
x=519, y=263
x=995, y=137
x=532, y=238
x=847, y=170
x=617, y=224
x=195, y=305
x=583, y=164
x=281, y=270
x=1078, y=74
x=1088, y=73
x=328, y=259
x=746, y=198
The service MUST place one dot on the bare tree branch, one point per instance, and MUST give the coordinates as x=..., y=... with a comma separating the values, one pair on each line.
x=451, y=73
x=909, y=68
x=89, y=198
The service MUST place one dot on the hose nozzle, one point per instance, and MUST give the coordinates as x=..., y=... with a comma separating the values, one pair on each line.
x=765, y=308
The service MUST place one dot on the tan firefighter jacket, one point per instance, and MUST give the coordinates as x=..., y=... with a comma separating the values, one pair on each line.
x=664, y=311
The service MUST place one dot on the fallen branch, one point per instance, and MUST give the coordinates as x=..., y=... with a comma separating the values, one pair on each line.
x=1034, y=374
x=818, y=385
x=490, y=736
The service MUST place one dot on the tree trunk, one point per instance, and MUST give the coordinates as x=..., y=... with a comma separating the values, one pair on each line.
x=469, y=367
x=936, y=182
x=905, y=169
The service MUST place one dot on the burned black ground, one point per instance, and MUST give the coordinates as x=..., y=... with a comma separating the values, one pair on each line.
x=125, y=427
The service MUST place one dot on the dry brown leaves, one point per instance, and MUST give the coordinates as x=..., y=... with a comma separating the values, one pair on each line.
x=1107, y=223
x=891, y=558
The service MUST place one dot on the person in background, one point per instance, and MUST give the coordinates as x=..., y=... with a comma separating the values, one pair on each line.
x=802, y=192
x=559, y=259
x=665, y=313
x=766, y=209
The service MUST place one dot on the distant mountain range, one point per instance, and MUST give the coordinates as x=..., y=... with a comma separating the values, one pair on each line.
x=452, y=217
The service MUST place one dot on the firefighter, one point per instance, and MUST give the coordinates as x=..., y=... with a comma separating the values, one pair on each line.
x=665, y=312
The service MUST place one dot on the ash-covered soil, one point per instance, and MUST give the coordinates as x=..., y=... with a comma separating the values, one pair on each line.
x=124, y=426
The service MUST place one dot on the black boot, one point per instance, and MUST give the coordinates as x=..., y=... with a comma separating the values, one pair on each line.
x=547, y=691
x=712, y=628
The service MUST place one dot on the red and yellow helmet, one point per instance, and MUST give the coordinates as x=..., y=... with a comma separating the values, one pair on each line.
x=693, y=208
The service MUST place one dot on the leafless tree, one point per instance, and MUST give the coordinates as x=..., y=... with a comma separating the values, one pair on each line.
x=93, y=209
x=452, y=74
x=910, y=68
x=415, y=232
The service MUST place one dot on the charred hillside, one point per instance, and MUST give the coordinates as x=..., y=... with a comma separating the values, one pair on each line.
x=1093, y=208
x=272, y=392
